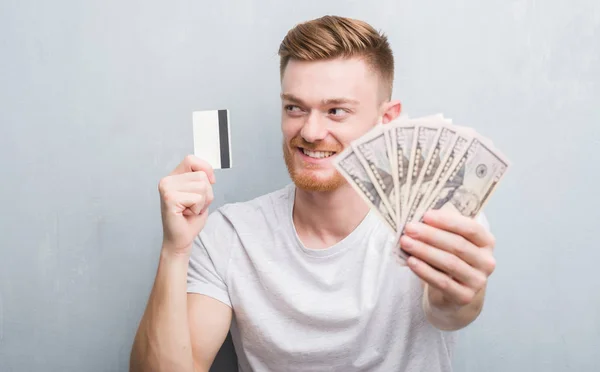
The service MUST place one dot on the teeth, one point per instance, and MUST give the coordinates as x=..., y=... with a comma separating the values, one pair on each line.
x=317, y=154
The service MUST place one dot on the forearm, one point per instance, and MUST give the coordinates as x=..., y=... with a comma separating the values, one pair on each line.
x=163, y=342
x=452, y=317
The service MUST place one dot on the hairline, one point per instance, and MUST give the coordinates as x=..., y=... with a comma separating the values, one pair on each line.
x=385, y=88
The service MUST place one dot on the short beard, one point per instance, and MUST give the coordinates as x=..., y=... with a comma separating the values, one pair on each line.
x=306, y=181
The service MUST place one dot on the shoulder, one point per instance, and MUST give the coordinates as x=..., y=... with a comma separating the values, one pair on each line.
x=228, y=225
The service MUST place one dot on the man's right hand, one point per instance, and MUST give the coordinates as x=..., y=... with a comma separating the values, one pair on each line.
x=185, y=195
x=180, y=331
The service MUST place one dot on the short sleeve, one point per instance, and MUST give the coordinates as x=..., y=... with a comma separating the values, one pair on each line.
x=209, y=261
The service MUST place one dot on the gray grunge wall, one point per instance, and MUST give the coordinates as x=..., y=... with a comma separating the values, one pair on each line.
x=96, y=101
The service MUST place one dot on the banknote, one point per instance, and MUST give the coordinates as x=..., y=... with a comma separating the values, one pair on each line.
x=389, y=138
x=424, y=137
x=458, y=148
x=440, y=150
x=470, y=183
x=405, y=168
x=350, y=166
x=374, y=153
x=402, y=141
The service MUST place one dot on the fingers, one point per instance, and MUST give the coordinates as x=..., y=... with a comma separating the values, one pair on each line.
x=457, y=292
x=191, y=182
x=210, y=196
x=461, y=225
x=446, y=262
x=182, y=201
x=193, y=201
x=208, y=199
x=453, y=244
x=187, y=193
x=193, y=163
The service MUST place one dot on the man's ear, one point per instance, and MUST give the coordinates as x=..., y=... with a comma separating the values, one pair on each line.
x=390, y=111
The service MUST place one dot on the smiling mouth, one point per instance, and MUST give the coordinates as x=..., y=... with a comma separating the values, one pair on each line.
x=317, y=154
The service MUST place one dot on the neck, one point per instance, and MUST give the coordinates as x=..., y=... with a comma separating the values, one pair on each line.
x=324, y=218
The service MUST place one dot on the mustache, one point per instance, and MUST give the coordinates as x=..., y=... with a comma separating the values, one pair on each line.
x=298, y=141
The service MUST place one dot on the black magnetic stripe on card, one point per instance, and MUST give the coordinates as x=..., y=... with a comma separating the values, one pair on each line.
x=224, y=139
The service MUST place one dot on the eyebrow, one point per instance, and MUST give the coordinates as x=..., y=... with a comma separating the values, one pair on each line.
x=324, y=102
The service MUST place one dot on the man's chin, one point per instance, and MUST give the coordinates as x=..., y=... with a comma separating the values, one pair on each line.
x=309, y=177
x=312, y=183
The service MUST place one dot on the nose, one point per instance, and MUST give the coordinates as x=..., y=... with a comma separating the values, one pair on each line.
x=314, y=128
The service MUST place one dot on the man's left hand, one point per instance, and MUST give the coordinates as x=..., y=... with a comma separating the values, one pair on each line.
x=453, y=255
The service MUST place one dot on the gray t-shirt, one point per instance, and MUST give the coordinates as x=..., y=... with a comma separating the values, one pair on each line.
x=350, y=307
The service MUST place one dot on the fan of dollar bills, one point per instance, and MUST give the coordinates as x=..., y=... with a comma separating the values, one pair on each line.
x=406, y=167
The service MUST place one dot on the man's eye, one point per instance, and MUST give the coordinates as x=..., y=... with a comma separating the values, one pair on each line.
x=337, y=112
x=292, y=108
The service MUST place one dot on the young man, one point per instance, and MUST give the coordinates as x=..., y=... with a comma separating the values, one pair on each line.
x=303, y=277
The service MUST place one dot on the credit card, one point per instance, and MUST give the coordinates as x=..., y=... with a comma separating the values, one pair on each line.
x=212, y=142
